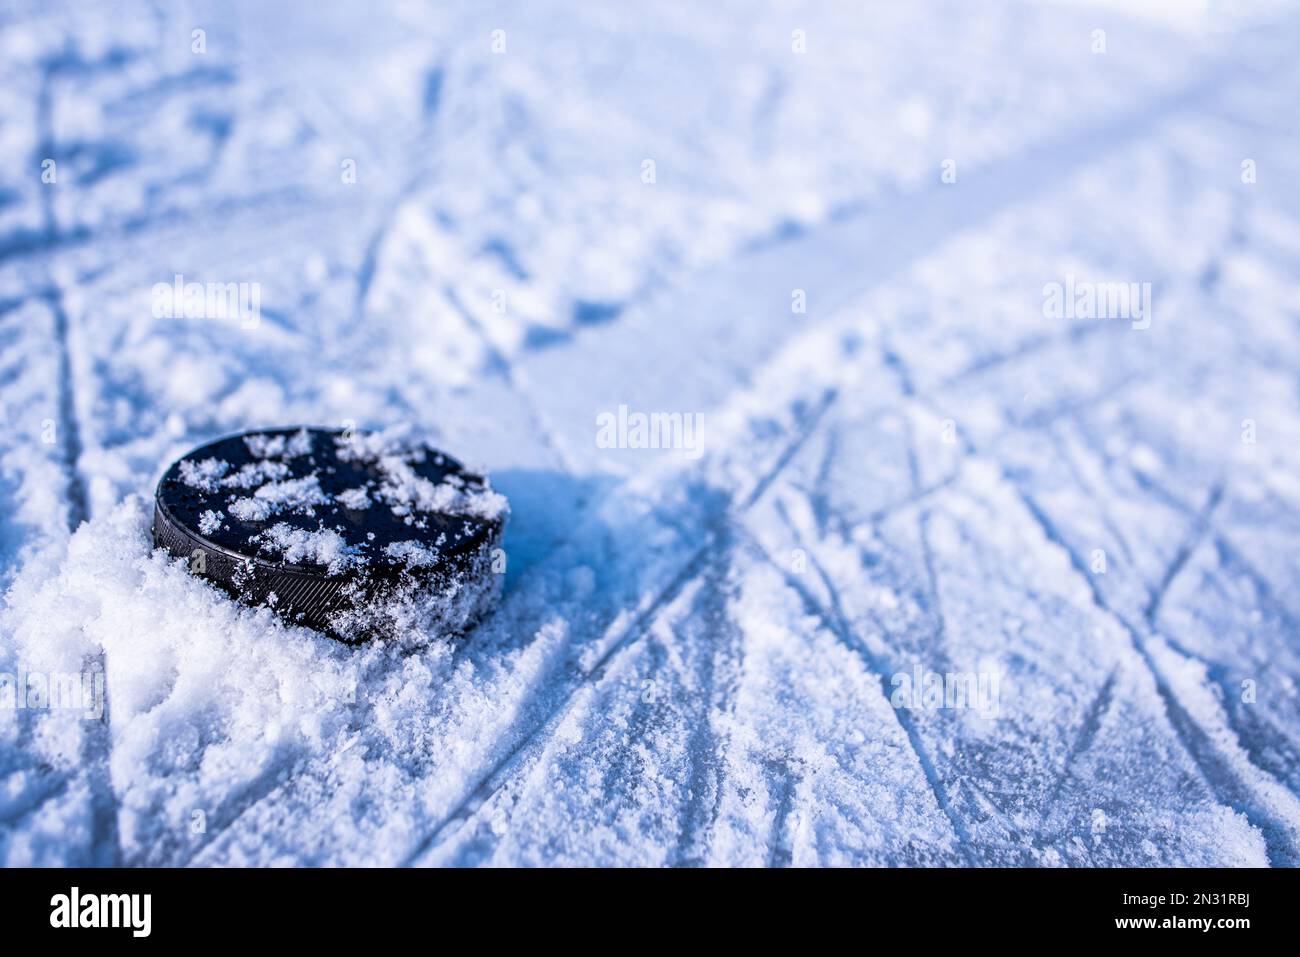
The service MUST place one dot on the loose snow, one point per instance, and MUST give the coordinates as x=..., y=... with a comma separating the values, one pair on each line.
x=263, y=446
x=356, y=499
x=394, y=454
x=210, y=521
x=276, y=498
x=414, y=554
x=205, y=474
x=324, y=547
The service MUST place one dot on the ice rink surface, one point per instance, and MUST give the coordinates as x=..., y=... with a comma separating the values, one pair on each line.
x=833, y=232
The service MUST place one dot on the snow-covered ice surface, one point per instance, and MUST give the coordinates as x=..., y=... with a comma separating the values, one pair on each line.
x=698, y=652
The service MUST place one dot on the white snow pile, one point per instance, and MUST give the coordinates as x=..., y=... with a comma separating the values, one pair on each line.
x=298, y=496
x=324, y=547
x=254, y=474
x=354, y=499
x=211, y=474
x=413, y=554
x=212, y=702
x=263, y=446
x=394, y=455
x=203, y=474
x=210, y=521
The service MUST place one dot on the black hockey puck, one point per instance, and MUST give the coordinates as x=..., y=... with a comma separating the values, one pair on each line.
x=358, y=535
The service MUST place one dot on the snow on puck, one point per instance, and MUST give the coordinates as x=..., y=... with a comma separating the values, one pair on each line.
x=358, y=535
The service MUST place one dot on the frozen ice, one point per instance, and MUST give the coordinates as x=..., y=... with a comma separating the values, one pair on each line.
x=831, y=234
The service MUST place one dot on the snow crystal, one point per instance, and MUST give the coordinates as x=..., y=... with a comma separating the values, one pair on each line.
x=263, y=446
x=354, y=499
x=405, y=491
x=255, y=473
x=276, y=498
x=324, y=547
x=358, y=445
x=210, y=521
x=414, y=554
x=204, y=475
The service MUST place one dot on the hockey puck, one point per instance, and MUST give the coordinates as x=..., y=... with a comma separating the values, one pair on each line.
x=358, y=535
